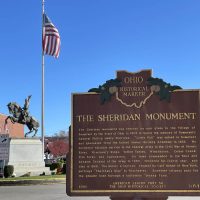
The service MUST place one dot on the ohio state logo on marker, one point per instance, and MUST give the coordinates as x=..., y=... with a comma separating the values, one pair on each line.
x=134, y=91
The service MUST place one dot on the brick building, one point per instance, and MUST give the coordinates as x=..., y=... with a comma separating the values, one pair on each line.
x=14, y=130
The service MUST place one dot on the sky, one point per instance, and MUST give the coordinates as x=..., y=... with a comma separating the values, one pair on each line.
x=98, y=37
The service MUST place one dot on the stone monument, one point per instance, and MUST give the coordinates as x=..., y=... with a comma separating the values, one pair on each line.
x=25, y=154
x=26, y=157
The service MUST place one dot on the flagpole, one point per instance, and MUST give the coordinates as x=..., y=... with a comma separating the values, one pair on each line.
x=42, y=117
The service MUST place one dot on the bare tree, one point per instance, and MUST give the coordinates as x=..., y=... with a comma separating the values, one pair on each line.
x=61, y=134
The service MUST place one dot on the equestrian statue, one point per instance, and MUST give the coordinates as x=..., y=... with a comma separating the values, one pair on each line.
x=21, y=115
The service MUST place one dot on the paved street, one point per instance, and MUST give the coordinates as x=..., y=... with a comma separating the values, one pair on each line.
x=51, y=192
x=39, y=192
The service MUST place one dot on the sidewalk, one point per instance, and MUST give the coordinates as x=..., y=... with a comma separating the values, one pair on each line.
x=32, y=181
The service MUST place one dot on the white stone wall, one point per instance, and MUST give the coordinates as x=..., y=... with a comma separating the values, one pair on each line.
x=26, y=156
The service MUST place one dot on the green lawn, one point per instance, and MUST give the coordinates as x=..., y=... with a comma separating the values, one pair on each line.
x=34, y=178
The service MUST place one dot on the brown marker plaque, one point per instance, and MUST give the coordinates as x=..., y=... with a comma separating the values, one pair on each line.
x=135, y=144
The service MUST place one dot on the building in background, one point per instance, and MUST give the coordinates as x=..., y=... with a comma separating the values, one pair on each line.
x=15, y=130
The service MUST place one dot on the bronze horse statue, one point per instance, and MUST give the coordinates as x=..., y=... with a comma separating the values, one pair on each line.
x=21, y=115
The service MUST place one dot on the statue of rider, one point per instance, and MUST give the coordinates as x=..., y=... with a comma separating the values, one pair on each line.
x=25, y=111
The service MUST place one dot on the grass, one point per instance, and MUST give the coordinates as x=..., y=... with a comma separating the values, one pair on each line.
x=52, y=177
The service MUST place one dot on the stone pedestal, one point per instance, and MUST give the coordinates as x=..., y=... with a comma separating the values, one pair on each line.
x=26, y=156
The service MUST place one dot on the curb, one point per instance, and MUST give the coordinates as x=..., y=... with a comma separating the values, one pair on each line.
x=30, y=182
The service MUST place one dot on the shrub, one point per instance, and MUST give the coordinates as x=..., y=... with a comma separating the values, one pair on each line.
x=53, y=173
x=59, y=171
x=64, y=169
x=8, y=171
x=54, y=166
x=47, y=165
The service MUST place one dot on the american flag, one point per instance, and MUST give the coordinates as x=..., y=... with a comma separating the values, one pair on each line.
x=51, y=38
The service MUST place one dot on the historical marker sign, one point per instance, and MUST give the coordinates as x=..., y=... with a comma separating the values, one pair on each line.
x=4, y=146
x=136, y=143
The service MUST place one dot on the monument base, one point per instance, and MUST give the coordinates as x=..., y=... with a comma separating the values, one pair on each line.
x=26, y=157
